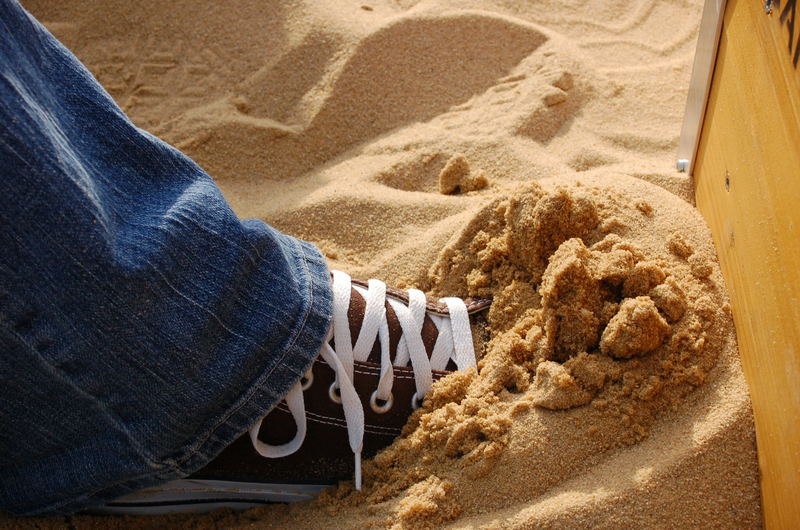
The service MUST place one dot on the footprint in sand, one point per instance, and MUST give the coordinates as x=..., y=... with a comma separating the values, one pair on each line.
x=536, y=101
x=411, y=70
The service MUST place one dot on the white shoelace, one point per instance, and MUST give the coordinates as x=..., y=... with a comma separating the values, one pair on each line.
x=454, y=341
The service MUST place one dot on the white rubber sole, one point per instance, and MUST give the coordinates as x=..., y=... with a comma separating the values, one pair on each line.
x=194, y=496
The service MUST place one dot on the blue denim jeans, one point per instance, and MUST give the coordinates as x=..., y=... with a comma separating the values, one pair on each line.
x=143, y=326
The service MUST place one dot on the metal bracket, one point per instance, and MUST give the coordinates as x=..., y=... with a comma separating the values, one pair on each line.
x=702, y=71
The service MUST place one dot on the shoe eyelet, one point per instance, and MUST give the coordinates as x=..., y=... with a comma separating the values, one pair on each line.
x=416, y=401
x=307, y=380
x=380, y=409
x=333, y=393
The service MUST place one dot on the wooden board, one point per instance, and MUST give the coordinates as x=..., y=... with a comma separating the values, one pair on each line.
x=747, y=183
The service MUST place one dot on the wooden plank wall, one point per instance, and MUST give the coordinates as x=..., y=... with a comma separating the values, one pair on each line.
x=747, y=183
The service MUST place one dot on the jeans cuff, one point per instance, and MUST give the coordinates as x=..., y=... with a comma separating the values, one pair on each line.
x=256, y=401
x=294, y=362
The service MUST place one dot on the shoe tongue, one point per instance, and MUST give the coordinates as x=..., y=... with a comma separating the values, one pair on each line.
x=355, y=314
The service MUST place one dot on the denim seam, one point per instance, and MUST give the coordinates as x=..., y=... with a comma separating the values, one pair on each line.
x=211, y=435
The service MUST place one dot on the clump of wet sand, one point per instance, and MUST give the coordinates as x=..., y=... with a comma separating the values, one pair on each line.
x=602, y=324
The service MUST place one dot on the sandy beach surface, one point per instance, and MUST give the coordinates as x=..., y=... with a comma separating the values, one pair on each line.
x=505, y=148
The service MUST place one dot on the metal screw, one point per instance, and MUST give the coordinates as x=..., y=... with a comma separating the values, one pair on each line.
x=768, y=6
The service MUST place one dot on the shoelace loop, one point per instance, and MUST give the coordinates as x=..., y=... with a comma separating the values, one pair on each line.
x=454, y=341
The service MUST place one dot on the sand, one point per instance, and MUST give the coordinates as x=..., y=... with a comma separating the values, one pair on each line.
x=504, y=148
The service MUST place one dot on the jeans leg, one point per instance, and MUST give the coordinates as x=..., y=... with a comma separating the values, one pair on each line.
x=143, y=327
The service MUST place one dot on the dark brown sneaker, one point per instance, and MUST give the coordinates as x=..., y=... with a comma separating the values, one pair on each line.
x=353, y=402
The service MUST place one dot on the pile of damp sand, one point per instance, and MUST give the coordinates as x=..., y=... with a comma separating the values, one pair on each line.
x=609, y=364
x=502, y=149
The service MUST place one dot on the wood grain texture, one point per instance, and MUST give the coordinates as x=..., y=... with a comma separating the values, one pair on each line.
x=747, y=183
